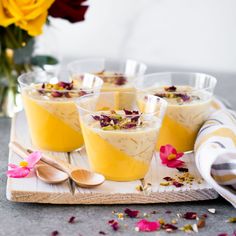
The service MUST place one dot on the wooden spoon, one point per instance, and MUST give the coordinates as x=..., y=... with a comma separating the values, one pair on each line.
x=50, y=175
x=83, y=178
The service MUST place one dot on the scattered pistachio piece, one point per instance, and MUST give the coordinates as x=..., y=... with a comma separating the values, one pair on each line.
x=174, y=221
x=231, y=220
x=164, y=183
x=161, y=221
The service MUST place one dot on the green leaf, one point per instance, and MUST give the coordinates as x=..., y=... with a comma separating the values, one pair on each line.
x=41, y=60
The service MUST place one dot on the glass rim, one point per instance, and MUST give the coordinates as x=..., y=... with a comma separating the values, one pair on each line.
x=139, y=88
x=104, y=59
x=24, y=75
x=162, y=101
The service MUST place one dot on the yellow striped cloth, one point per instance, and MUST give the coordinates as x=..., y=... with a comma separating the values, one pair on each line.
x=215, y=151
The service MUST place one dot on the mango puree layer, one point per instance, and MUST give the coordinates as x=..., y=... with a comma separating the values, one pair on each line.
x=47, y=130
x=179, y=136
x=122, y=98
x=106, y=159
x=181, y=124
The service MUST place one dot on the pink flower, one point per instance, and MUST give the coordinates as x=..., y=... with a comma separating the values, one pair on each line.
x=24, y=167
x=169, y=156
x=148, y=226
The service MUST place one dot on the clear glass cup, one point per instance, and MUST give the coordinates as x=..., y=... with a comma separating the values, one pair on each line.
x=51, y=110
x=120, y=143
x=117, y=76
x=189, y=98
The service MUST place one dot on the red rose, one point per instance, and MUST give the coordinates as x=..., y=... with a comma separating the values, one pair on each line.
x=71, y=10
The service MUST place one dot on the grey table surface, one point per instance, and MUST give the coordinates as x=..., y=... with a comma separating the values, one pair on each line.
x=37, y=219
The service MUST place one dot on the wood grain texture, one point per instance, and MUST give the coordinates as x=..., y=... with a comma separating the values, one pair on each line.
x=31, y=189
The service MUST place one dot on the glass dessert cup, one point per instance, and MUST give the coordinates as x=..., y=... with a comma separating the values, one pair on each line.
x=118, y=76
x=120, y=143
x=189, y=97
x=51, y=111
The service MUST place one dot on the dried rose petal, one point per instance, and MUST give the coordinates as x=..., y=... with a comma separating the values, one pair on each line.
x=96, y=118
x=114, y=224
x=223, y=234
x=177, y=184
x=55, y=233
x=71, y=220
x=184, y=97
x=169, y=227
x=148, y=226
x=167, y=178
x=131, y=213
x=120, y=80
x=67, y=95
x=102, y=233
x=66, y=85
x=106, y=118
x=127, y=112
x=129, y=125
x=201, y=223
x=135, y=118
x=190, y=215
x=82, y=93
x=171, y=89
x=161, y=95
x=56, y=94
x=182, y=169
x=168, y=212
x=153, y=212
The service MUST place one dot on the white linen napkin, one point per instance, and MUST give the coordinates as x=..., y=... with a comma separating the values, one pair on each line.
x=215, y=151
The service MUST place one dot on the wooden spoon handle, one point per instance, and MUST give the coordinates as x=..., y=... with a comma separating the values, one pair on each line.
x=57, y=163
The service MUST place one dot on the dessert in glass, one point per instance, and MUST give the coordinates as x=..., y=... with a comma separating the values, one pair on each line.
x=51, y=110
x=120, y=142
x=117, y=76
x=189, y=97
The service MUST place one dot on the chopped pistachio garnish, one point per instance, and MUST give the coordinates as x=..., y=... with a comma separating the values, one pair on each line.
x=231, y=220
x=115, y=121
x=60, y=89
x=164, y=183
x=173, y=93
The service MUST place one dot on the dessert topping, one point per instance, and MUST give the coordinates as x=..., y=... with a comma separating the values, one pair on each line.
x=115, y=121
x=181, y=95
x=112, y=78
x=60, y=89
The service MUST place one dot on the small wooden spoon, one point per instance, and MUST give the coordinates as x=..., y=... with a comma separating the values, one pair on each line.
x=50, y=175
x=83, y=178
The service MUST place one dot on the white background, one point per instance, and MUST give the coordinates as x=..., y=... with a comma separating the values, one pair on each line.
x=191, y=34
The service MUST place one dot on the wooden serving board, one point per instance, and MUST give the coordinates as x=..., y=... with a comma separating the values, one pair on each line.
x=31, y=189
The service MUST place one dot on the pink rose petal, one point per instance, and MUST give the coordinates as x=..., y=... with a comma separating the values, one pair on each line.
x=148, y=226
x=12, y=166
x=19, y=172
x=33, y=158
